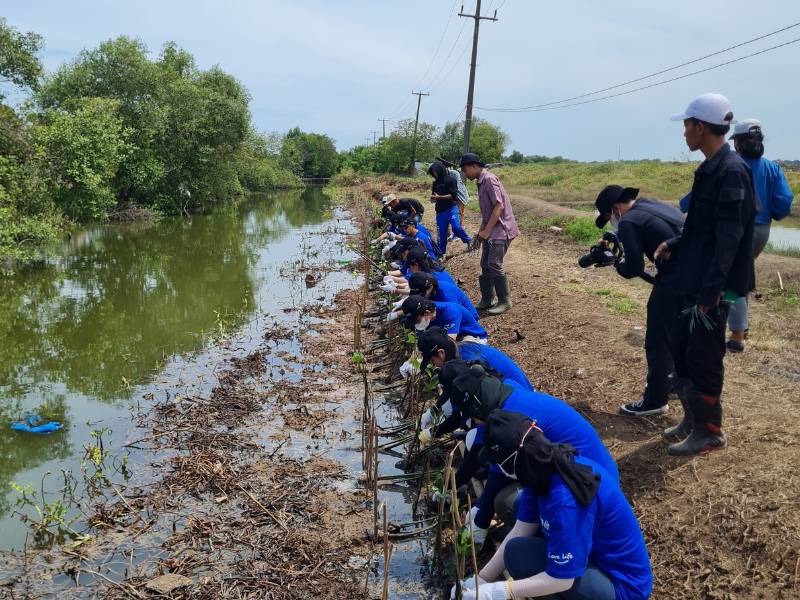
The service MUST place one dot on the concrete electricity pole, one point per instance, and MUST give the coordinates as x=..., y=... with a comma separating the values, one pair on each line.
x=419, y=96
x=384, y=127
x=478, y=18
x=374, y=139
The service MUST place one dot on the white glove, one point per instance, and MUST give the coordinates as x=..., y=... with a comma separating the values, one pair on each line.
x=468, y=584
x=392, y=236
x=407, y=369
x=398, y=304
x=497, y=590
x=388, y=279
x=478, y=534
x=470, y=439
x=395, y=265
x=438, y=496
x=389, y=287
x=426, y=419
x=393, y=316
x=374, y=242
x=447, y=409
x=425, y=437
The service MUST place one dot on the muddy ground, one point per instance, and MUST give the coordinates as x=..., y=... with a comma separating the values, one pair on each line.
x=726, y=525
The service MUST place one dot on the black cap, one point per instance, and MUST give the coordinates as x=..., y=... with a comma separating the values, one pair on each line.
x=451, y=371
x=413, y=307
x=611, y=195
x=421, y=282
x=402, y=245
x=416, y=256
x=470, y=158
x=431, y=341
x=503, y=434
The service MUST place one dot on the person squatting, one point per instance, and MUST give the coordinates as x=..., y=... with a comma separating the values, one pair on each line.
x=551, y=497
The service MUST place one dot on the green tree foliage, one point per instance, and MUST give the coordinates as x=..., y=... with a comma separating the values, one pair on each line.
x=516, y=157
x=19, y=65
x=486, y=140
x=309, y=154
x=260, y=167
x=393, y=154
x=81, y=151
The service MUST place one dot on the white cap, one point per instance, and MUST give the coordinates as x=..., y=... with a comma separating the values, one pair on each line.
x=745, y=126
x=711, y=108
x=387, y=199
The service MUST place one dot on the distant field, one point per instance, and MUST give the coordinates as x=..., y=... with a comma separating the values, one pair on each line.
x=576, y=184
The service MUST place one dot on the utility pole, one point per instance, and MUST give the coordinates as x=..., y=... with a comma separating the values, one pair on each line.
x=374, y=139
x=478, y=18
x=384, y=127
x=419, y=96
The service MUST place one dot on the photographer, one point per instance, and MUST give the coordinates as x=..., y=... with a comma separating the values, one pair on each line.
x=641, y=226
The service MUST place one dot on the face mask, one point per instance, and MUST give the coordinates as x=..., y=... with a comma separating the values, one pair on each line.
x=422, y=325
x=614, y=222
x=511, y=461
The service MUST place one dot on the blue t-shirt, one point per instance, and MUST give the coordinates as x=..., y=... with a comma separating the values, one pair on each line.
x=773, y=191
x=606, y=533
x=452, y=293
x=562, y=424
x=444, y=277
x=457, y=320
x=498, y=361
x=425, y=237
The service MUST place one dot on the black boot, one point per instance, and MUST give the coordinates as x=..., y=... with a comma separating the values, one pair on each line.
x=707, y=433
x=486, y=284
x=503, y=296
x=684, y=428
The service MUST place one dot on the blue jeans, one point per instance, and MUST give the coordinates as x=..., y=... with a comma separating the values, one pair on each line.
x=527, y=556
x=737, y=317
x=447, y=218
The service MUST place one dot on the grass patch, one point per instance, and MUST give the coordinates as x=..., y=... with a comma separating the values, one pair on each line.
x=616, y=301
x=583, y=230
x=782, y=251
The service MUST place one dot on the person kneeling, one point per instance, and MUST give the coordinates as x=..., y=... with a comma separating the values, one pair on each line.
x=591, y=546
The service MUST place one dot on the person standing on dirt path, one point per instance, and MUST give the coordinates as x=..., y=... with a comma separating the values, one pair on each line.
x=576, y=536
x=642, y=225
x=714, y=268
x=498, y=230
x=775, y=202
x=444, y=192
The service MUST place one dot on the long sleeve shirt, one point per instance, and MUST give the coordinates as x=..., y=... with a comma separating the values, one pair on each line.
x=641, y=231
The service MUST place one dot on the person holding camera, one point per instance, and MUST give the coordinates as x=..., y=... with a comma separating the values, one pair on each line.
x=642, y=225
x=714, y=268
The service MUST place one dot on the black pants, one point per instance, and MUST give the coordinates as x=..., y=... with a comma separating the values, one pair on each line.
x=663, y=308
x=698, y=350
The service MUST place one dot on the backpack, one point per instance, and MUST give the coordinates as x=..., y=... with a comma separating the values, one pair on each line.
x=463, y=194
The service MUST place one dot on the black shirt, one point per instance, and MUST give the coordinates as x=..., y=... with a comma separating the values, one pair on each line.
x=715, y=251
x=444, y=184
x=641, y=231
x=410, y=205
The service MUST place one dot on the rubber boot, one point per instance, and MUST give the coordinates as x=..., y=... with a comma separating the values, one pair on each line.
x=503, y=296
x=707, y=434
x=684, y=428
x=487, y=292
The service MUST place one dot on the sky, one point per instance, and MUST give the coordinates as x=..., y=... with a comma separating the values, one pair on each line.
x=337, y=66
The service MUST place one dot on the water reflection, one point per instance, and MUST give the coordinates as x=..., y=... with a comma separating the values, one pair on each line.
x=112, y=304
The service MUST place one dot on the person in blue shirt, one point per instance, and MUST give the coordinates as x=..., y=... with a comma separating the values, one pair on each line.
x=478, y=393
x=415, y=230
x=427, y=285
x=589, y=544
x=420, y=313
x=775, y=202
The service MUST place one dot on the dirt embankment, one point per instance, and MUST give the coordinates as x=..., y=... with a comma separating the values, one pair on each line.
x=726, y=525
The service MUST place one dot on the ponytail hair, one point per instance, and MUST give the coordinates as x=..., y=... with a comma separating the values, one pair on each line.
x=751, y=144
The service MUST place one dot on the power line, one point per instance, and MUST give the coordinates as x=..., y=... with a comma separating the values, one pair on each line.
x=644, y=87
x=643, y=77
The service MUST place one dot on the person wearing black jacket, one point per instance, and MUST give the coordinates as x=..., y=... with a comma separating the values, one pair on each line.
x=642, y=225
x=410, y=208
x=444, y=192
x=714, y=267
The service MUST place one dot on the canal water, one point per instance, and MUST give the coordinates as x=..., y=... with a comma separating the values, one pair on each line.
x=119, y=309
x=784, y=238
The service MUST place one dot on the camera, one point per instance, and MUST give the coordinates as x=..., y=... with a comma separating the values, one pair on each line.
x=603, y=255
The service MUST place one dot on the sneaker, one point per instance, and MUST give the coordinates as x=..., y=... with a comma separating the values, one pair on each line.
x=640, y=409
x=734, y=346
x=698, y=442
x=452, y=237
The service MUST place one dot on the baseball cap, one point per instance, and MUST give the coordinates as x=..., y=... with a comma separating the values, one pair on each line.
x=431, y=341
x=470, y=158
x=746, y=127
x=420, y=282
x=388, y=198
x=710, y=108
x=611, y=195
x=417, y=255
x=413, y=307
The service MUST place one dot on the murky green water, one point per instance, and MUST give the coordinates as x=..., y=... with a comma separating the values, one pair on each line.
x=118, y=307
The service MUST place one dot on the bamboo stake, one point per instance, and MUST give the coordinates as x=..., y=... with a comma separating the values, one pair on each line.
x=472, y=544
x=387, y=553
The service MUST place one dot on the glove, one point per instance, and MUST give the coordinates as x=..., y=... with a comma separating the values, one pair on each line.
x=438, y=496
x=497, y=590
x=398, y=304
x=470, y=439
x=425, y=437
x=426, y=419
x=393, y=316
x=478, y=534
x=407, y=369
x=374, y=242
x=468, y=585
x=392, y=236
x=395, y=265
x=389, y=287
x=388, y=279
